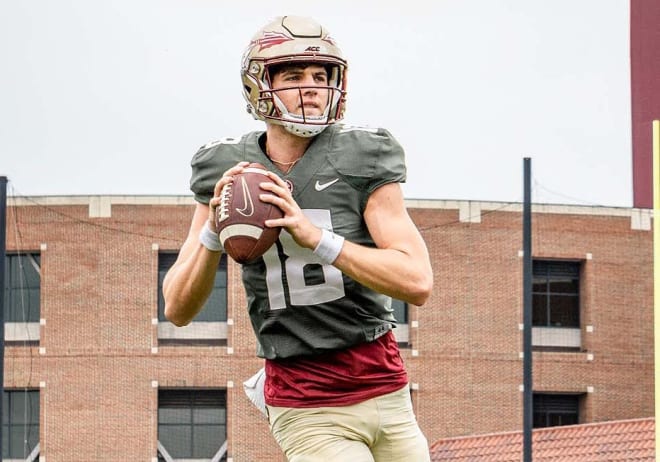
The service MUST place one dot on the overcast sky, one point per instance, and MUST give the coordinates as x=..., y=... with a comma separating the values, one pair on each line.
x=115, y=96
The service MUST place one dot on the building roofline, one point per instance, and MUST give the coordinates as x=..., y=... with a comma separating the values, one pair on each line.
x=517, y=207
x=582, y=442
x=119, y=199
x=539, y=431
x=138, y=199
x=469, y=211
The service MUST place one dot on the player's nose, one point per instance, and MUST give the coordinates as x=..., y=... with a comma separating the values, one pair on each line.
x=308, y=80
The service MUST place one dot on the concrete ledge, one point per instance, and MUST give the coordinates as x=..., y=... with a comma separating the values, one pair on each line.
x=469, y=211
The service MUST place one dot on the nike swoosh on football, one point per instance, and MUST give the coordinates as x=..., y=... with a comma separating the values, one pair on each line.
x=248, y=207
x=321, y=186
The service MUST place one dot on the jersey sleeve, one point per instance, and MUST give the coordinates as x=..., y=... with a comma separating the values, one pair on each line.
x=204, y=175
x=390, y=166
x=210, y=162
x=368, y=157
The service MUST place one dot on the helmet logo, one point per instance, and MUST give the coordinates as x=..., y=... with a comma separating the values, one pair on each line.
x=313, y=49
x=270, y=39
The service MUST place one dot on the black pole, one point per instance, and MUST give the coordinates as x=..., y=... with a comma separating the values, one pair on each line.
x=528, y=404
x=3, y=263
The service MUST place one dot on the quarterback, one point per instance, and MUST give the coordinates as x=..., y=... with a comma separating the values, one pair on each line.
x=319, y=300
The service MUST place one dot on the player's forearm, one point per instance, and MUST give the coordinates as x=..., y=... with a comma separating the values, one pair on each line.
x=188, y=284
x=392, y=272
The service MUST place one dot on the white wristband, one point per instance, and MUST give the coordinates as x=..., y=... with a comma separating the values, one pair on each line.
x=329, y=247
x=209, y=239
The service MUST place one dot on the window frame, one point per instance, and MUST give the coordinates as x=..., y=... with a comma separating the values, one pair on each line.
x=15, y=287
x=192, y=399
x=556, y=270
x=22, y=270
x=204, y=329
x=556, y=404
x=555, y=337
x=402, y=331
x=9, y=426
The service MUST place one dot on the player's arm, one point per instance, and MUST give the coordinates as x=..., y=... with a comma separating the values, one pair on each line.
x=189, y=282
x=400, y=265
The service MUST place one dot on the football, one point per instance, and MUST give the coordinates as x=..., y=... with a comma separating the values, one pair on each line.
x=240, y=217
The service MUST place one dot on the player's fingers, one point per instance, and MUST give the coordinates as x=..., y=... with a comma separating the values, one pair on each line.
x=276, y=223
x=238, y=168
x=276, y=178
x=214, y=202
x=235, y=170
x=280, y=190
x=219, y=185
x=228, y=177
x=277, y=201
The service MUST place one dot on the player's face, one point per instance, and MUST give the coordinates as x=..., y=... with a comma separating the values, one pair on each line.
x=303, y=89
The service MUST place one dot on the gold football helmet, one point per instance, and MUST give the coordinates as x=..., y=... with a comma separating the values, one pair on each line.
x=292, y=39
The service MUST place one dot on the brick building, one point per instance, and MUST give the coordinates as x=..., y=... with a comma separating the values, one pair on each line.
x=94, y=372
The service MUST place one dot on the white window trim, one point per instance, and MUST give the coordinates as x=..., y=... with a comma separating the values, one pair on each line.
x=559, y=337
x=402, y=333
x=22, y=332
x=168, y=458
x=197, y=330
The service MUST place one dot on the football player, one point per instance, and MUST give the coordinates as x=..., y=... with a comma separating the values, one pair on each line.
x=319, y=300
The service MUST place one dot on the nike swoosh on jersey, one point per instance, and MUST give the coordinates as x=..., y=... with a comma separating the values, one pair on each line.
x=321, y=186
x=248, y=207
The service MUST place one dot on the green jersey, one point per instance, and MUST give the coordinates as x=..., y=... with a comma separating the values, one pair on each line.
x=298, y=305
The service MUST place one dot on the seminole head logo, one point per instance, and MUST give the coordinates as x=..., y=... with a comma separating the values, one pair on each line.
x=270, y=39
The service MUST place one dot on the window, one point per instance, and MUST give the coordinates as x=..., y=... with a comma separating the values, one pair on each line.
x=210, y=324
x=22, y=297
x=400, y=311
x=215, y=308
x=192, y=424
x=551, y=410
x=20, y=424
x=556, y=294
x=22, y=287
x=401, y=332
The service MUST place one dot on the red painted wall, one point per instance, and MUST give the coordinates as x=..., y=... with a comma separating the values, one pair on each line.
x=645, y=87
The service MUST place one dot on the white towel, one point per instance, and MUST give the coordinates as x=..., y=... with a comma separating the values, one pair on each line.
x=254, y=389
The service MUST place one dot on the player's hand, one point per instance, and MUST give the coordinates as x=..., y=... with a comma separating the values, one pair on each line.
x=226, y=178
x=303, y=231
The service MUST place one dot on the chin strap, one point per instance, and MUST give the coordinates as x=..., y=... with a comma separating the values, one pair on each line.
x=295, y=124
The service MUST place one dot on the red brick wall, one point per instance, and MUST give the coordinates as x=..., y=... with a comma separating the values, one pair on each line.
x=469, y=368
x=99, y=290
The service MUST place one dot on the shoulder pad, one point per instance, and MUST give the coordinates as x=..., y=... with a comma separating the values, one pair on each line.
x=367, y=157
x=213, y=159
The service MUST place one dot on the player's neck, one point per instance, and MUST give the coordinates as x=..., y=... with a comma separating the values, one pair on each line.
x=283, y=148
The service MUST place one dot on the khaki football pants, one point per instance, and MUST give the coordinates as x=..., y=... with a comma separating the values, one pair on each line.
x=382, y=429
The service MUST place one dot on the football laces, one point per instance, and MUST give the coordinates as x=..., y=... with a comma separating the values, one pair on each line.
x=225, y=195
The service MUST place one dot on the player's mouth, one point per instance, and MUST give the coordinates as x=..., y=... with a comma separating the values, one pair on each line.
x=309, y=105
